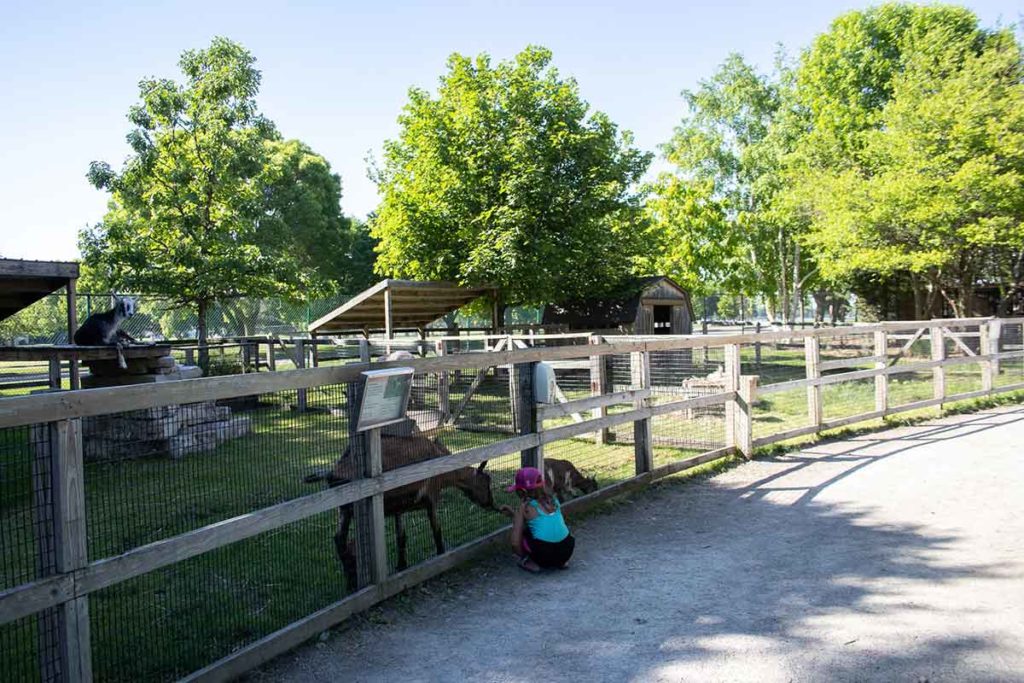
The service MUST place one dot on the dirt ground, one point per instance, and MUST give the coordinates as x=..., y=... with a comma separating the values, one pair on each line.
x=893, y=556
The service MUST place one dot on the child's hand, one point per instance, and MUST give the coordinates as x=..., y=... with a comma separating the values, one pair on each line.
x=507, y=510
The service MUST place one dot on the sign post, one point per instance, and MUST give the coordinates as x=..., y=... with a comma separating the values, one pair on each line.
x=384, y=401
x=385, y=397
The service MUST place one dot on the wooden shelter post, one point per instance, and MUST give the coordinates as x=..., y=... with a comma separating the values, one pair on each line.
x=72, y=327
x=389, y=328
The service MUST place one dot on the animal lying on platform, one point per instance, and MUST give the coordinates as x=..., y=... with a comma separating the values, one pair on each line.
x=564, y=479
x=399, y=451
x=104, y=329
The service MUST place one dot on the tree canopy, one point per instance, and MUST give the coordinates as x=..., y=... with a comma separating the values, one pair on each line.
x=506, y=177
x=890, y=151
x=922, y=172
x=213, y=203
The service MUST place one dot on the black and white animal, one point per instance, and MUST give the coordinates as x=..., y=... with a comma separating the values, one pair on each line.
x=104, y=329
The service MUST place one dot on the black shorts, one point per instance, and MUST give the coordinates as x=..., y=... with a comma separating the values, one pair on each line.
x=550, y=555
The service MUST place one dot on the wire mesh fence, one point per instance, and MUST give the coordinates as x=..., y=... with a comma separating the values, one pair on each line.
x=157, y=473
x=1010, y=340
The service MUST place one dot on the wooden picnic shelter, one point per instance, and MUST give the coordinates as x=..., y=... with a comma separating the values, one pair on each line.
x=393, y=305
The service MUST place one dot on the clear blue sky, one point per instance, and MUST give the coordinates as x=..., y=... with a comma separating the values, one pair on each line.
x=335, y=74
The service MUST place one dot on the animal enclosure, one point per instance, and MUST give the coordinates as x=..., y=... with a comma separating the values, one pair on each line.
x=203, y=566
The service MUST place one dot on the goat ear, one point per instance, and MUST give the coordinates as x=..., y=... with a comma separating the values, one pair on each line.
x=482, y=466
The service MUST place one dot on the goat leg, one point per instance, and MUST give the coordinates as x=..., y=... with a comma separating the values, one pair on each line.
x=341, y=546
x=435, y=527
x=125, y=337
x=121, y=362
x=400, y=539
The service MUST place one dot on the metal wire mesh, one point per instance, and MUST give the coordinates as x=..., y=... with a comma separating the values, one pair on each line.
x=779, y=412
x=962, y=342
x=25, y=494
x=19, y=647
x=1010, y=370
x=849, y=398
x=155, y=473
x=28, y=551
x=165, y=624
x=774, y=362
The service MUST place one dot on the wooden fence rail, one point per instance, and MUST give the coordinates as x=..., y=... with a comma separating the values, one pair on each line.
x=61, y=597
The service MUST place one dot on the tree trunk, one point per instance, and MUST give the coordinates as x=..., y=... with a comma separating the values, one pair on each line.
x=821, y=299
x=204, y=352
x=919, y=297
x=934, y=292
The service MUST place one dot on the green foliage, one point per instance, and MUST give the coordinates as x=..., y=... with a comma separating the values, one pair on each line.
x=718, y=220
x=923, y=173
x=506, y=178
x=848, y=74
x=213, y=204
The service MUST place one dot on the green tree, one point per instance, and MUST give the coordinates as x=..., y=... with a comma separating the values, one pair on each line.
x=719, y=217
x=212, y=204
x=507, y=178
x=912, y=160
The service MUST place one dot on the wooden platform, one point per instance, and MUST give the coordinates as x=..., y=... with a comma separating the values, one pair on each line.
x=45, y=352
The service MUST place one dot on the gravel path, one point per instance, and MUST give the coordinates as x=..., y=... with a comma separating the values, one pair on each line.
x=894, y=556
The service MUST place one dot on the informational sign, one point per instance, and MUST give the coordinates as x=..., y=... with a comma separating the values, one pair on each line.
x=385, y=397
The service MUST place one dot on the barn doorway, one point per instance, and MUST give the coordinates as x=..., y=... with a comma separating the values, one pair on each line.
x=662, y=320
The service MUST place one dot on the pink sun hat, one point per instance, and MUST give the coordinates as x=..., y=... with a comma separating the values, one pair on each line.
x=527, y=479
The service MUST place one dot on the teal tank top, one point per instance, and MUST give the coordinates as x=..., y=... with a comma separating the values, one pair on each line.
x=549, y=528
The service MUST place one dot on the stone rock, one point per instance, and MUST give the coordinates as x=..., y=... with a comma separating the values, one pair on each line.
x=174, y=431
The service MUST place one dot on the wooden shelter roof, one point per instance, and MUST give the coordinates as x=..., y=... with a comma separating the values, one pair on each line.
x=22, y=283
x=412, y=305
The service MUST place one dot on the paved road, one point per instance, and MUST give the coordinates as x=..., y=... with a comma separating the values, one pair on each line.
x=895, y=556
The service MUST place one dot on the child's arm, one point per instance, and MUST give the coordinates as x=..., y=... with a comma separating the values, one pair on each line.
x=516, y=537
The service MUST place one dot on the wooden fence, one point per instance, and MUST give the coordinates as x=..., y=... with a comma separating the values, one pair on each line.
x=61, y=598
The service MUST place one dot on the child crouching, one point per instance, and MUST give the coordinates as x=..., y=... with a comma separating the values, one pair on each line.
x=540, y=535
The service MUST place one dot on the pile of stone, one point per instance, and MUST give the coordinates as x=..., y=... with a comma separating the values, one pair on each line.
x=168, y=431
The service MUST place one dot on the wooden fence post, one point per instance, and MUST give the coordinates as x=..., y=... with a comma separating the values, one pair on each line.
x=732, y=383
x=74, y=379
x=524, y=408
x=643, y=451
x=757, y=345
x=364, y=351
x=443, y=385
x=938, y=344
x=58, y=508
x=55, y=378
x=271, y=357
x=881, y=381
x=598, y=387
x=995, y=331
x=984, y=345
x=300, y=362
x=812, y=360
x=745, y=415
x=371, y=540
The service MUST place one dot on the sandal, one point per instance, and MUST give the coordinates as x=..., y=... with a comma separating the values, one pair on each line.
x=526, y=564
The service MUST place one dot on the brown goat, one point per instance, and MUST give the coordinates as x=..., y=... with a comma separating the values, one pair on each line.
x=563, y=478
x=399, y=451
